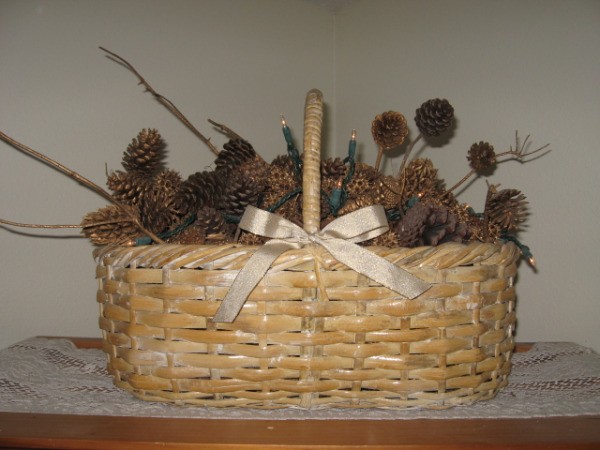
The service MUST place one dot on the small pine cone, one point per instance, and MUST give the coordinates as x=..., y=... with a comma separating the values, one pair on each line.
x=145, y=153
x=129, y=187
x=333, y=172
x=247, y=238
x=240, y=191
x=208, y=187
x=434, y=117
x=387, y=192
x=353, y=204
x=389, y=129
x=428, y=224
x=109, y=225
x=481, y=156
x=506, y=208
x=210, y=220
x=167, y=180
x=362, y=181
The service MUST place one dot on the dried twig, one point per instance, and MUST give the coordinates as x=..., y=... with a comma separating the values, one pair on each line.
x=517, y=153
x=164, y=101
x=225, y=130
x=77, y=177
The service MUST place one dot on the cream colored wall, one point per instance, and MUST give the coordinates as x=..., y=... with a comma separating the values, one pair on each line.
x=526, y=65
x=532, y=66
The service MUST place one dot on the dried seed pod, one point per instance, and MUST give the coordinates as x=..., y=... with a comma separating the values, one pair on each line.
x=481, y=156
x=389, y=129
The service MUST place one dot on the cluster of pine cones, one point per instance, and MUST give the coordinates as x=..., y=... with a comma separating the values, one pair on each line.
x=206, y=207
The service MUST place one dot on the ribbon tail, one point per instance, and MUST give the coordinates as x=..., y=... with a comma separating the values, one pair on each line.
x=248, y=278
x=376, y=268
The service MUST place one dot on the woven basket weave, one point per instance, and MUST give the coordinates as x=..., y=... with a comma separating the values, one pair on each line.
x=313, y=333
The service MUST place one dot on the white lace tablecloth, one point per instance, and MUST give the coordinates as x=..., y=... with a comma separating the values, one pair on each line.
x=53, y=376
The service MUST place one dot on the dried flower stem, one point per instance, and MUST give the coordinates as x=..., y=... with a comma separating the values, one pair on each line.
x=77, y=177
x=406, y=155
x=35, y=225
x=225, y=130
x=38, y=225
x=379, y=156
x=518, y=153
x=404, y=161
x=164, y=101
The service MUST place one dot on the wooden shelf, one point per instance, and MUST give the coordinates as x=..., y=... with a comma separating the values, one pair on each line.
x=27, y=430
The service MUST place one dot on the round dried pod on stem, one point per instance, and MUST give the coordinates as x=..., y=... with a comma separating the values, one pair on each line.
x=389, y=130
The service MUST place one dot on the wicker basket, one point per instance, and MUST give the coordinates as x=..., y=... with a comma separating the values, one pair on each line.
x=314, y=333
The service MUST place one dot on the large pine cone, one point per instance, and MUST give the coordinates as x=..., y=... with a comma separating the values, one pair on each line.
x=389, y=129
x=109, y=225
x=428, y=224
x=240, y=191
x=239, y=155
x=434, y=117
x=208, y=188
x=145, y=153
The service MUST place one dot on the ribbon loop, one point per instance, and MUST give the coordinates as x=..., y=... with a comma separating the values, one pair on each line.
x=339, y=238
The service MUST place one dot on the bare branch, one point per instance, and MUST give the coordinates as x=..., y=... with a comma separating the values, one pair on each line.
x=163, y=100
x=225, y=130
x=77, y=177
x=519, y=152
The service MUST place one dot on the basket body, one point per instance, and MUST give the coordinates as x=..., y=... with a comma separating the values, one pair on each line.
x=314, y=333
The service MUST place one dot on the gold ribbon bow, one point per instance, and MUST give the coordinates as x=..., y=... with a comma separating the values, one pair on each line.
x=338, y=237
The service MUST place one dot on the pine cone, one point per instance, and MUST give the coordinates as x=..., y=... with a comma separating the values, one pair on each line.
x=389, y=129
x=240, y=191
x=428, y=224
x=333, y=172
x=481, y=156
x=158, y=212
x=208, y=187
x=167, y=180
x=129, y=187
x=210, y=220
x=356, y=203
x=386, y=192
x=235, y=153
x=109, y=225
x=434, y=117
x=506, y=208
x=145, y=153
x=239, y=156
